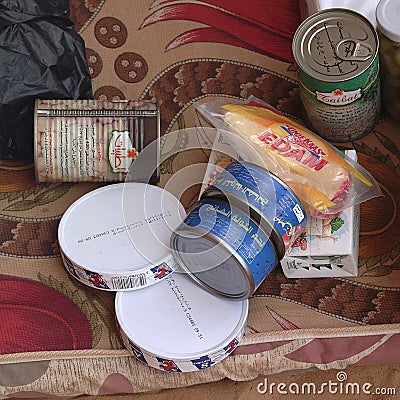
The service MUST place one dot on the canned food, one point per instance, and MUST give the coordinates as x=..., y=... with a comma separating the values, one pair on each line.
x=196, y=337
x=262, y=191
x=336, y=52
x=223, y=249
x=95, y=140
x=388, y=21
x=116, y=237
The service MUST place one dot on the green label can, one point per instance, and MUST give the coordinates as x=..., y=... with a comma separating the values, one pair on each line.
x=336, y=52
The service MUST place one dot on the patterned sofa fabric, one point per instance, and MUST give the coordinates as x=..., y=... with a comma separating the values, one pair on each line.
x=58, y=336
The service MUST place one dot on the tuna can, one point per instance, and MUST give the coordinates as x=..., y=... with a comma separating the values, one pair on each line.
x=96, y=140
x=262, y=191
x=336, y=52
x=224, y=249
x=202, y=329
x=116, y=237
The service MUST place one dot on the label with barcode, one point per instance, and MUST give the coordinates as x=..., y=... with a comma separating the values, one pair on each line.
x=128, y=282
x=298, y=212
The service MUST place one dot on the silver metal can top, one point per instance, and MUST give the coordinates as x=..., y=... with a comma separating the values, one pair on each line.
x=388, y=19
x=335, y=45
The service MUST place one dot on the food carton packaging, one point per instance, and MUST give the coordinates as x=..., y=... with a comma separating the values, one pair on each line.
x=327, y=247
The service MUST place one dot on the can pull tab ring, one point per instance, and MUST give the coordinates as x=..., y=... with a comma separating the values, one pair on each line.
x=354, y=50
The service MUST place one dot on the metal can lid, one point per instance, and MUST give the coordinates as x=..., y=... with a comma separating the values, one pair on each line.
x=200, y=325
x=120, y=229
x=197, y=252
x=388, y=18
x=335, y=45
x=223, y=249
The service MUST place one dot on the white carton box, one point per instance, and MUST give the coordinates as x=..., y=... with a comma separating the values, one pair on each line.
x=327, y=248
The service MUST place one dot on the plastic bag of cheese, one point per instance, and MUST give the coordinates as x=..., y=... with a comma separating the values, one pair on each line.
x=324, y=178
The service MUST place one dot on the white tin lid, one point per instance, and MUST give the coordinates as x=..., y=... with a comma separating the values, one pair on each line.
x=117, y=237
x=388, y=18
x=178, y=326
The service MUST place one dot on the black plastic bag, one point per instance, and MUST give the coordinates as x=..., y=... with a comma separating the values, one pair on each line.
x=41, y=56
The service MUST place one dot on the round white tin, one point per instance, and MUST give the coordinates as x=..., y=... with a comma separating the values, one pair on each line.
x=117, y=237
x=177, y=326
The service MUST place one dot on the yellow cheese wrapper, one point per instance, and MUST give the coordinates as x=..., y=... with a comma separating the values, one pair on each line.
x=309, y=165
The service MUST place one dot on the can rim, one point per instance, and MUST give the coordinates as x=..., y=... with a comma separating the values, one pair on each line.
x=384, y=21
x=175, y=237
x=188, y=358
x=169, y=261
x=117, y=272
x=242, y=264
x=237, y=332
x=311, y=21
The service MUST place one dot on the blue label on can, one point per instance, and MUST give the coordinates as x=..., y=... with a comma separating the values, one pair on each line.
x=249, y=246
x=260, y=189
x=137, y=352
x=168, y=365
x=202, y=362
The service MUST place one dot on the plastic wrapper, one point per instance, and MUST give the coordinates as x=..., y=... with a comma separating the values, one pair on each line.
x=42, y=56
x=325, y=179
